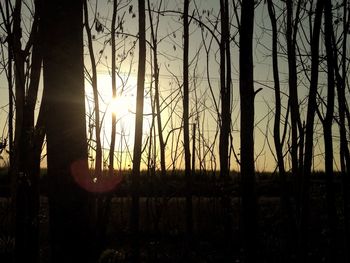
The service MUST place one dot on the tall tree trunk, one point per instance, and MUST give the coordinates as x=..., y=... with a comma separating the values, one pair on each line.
x=19, y=58
x=291, y=31
x=11, y=95
x=114, y=89
x=344, y=148
x=135, y=210
x=66, y=131
x=7, y=22
x=311, y=109
x=225, y=116
x=156, y=88
x=27, y=191
x=225, y=89
x=98, y=156
x=327, y=130
x=286, y=208
x=277, y=89
x=246, y=88
x=186, y=129
x=98, y=203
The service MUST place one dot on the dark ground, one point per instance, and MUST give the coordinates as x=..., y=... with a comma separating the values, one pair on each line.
x=162, y=223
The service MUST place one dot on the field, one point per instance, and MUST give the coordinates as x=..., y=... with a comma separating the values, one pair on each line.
x=162, y=222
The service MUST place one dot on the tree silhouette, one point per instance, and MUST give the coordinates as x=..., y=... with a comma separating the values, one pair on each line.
x=247, y=94
x=66, y=130
x=327, y=122
x=309, y=132
x=135, y=210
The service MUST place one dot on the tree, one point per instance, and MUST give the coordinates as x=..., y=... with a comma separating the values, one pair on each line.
x=277, y=90
x=6, y=17
x=186, y=128
x=287, y=213
x=135, y=210
x=25, y=158
x=247, y=94
x=225, y=89
x=97, y=123
x=154, y=41
x=66, y=130
x=304, y=216
x=341, y=77
x=327, y=123
x=295, y=123
x=114, y=88
x=225, y=115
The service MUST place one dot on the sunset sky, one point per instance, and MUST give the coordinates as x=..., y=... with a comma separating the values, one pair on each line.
x=170, y=60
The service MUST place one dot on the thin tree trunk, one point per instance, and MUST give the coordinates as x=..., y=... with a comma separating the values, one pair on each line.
x=114, y=89
x=19, y=59
x=151, y=156
x=135, y=210
x=10, y=89
x=277, y=89
x=186, y=129
x=156, y=89
x=287, y=213
x=98, y=156
x=291, y=32
x=344, y=148
x=225, y=116
x=97, y=203
x=27, y=191
x=193, y=150
x=225, y=89
x=6, y=17
x=305, y=206
x=327, y=129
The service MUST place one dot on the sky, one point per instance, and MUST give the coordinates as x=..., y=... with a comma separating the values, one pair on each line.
x=170, y=62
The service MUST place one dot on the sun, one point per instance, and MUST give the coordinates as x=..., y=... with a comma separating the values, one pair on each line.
x=121, y=106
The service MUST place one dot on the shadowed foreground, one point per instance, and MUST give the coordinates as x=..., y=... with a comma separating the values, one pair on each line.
x=163, y=224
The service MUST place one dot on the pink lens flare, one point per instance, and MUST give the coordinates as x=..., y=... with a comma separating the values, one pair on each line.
x=102, y=184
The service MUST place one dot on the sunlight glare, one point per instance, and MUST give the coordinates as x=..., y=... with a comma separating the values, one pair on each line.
x=121, y=106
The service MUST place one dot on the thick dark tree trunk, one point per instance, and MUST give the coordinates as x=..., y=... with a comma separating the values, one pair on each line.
x=246, y=87
x=66, y=131
x=19, y=197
